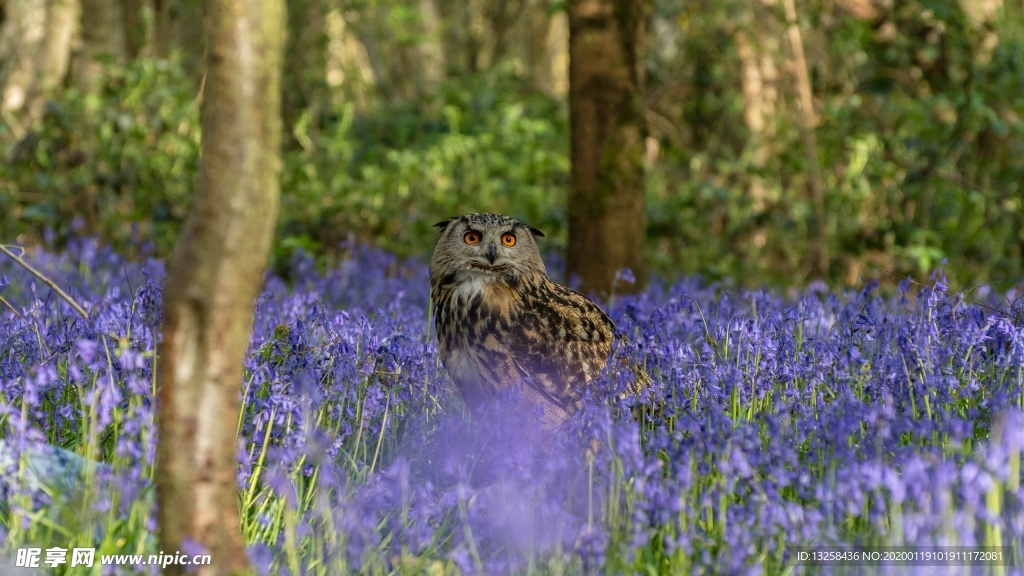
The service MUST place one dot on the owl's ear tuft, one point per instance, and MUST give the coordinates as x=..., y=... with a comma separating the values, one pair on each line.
x=444, y=223
x=534, y=231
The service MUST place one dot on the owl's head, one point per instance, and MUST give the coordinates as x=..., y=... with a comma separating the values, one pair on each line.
x=484, y=246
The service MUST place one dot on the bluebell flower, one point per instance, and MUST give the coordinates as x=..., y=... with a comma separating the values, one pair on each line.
x=804, y=415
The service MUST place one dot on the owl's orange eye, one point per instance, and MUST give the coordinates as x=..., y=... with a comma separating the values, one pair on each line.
x=509, y=239
x=471, y=237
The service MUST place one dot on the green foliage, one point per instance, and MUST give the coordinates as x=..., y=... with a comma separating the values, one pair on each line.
x=919, y=134
x=919, y=125
x=387, y=178
x=934, y=151
x=129, y=157
x=119, y=163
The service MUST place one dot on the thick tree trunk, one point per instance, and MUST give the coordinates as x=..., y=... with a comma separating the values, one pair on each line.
x=606, y=204
x=213, y=279
x=35, y=47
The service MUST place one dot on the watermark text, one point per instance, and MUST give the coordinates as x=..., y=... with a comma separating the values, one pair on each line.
x=900, y=555
x=86, y=558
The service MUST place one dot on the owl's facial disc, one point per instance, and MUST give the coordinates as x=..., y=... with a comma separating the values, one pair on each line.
x=487, y=257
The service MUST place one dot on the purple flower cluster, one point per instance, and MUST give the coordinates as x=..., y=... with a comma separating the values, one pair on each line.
x=768, y=422
x=76, y=395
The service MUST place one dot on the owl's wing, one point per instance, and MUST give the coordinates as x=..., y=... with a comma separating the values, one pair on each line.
x=560, y=341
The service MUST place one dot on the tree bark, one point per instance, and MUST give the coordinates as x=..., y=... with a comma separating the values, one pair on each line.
x=546, y=48
x=61, y=17
x=134, y=27
x=606, y=203
x=808, y=126
x=759, y=84
x=306, y=54
x=178, y=30
x=103, y=41
x=433, y=68
x=35, y=47
x=460, y=36
x=501, y=17
x=162, y=28
x=214, y=276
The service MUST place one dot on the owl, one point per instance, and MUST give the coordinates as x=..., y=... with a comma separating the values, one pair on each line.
x=502, y=323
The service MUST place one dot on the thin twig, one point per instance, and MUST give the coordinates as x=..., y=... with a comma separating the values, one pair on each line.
x=46, y=281
x=9, y=307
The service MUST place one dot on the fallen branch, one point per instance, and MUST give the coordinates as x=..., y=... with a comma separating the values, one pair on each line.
x=46, y=281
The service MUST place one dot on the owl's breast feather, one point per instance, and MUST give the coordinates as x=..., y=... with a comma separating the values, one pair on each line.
x=464, y=369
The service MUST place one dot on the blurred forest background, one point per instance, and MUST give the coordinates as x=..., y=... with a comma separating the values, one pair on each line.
x=908, y=149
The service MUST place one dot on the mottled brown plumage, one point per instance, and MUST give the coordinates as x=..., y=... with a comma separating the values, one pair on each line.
x=502, y=323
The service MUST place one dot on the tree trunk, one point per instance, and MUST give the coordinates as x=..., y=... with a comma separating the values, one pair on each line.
x=808, y=125
x=162, y=28
x=460, y=36
x=134, y=27
x=366, y=30
x=433, y=68
x=22, y=38
x=557, y=54
x=545, y=47
x=759, y=83
x=102, y=41
x=306, y=54
x=178, y=28
x=35, y=49
x=214, y=276
x=501, y=17
x=606, y=203
x=61, y=17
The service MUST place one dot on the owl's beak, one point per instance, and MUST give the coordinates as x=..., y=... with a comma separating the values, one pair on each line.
x=492, y=252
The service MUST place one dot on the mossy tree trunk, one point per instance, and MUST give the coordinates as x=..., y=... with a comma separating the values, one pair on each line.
x=606, y=203
x=214, y=276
